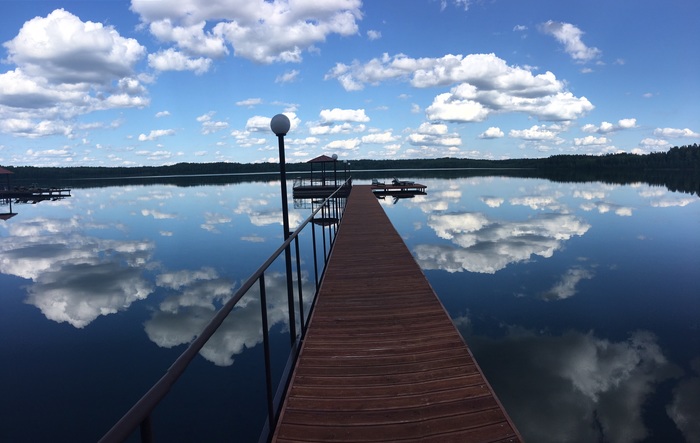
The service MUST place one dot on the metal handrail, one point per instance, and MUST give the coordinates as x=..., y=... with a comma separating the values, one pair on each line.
x=140, y=414
x=328, y=180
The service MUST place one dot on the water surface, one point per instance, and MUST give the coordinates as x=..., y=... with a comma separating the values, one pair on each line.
x=578, y=300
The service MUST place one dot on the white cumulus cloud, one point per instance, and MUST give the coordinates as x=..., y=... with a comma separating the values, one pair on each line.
x=64, y=68
x=192, y=39
x=675, y=133
x=344, y=145
x=63, y=49
x=259, y=30
x=492, y=132
x=379, y=137
x=334, y=115
x=534, y=133
x=172, y=60
x=570, y=36
x=288, y=77
x=209, y=125
x=432, y=134
x=484, y=84
x=607, y=127
x=590, y=140
x=155, y=134
x=374, y=35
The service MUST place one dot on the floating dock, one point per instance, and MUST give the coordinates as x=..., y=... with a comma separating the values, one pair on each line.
x=400, y=189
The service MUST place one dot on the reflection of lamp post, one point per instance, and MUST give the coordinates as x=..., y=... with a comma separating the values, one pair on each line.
x=280, y=126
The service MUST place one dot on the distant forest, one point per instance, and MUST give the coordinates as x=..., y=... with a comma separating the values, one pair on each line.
x=678, y=169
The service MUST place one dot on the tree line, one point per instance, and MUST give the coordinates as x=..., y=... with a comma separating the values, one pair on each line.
x=557, y=167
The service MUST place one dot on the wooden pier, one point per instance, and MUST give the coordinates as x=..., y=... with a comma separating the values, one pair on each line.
x=33, y=194
x=381, y=360
x=398, y=189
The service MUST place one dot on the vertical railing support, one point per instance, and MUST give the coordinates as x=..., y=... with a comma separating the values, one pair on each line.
x=266, y=350
x=330, y=230
x=323, y=234
x=335, y=215
x=290, y=294
x=313, y=243
x=299, y=286
x=146, y=430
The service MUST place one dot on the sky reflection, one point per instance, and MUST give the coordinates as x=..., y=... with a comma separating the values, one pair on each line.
x=85, y=266
x=566, y=286
x=75, y=277
x=180, y=317
x=577, y=299
x=575, y=387
x=481, y=244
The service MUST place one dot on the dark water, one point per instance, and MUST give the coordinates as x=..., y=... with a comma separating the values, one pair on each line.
x=580, y=302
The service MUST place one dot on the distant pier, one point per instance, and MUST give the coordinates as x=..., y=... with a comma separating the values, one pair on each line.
x=398, y=189
x=33, y=194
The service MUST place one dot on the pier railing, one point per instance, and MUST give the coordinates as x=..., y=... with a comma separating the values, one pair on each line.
x=318, y=181
x=326, y=217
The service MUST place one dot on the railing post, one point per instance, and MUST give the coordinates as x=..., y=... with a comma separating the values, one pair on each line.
x=266, y=350
x=146, y=430
x=323, y=234
x=330, y=230
x=299, y=286
x=313, y=242
x=335, y=215
x=290, y=294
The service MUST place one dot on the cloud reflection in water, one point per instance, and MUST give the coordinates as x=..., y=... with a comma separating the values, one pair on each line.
x=684, y=410
x=605, y=207
x=78, y=293
x=581, y=385
x=260, y=215
x=566, y=286
x=486, y=246
x=587, y=388
x=75, y=277
x=182, y=316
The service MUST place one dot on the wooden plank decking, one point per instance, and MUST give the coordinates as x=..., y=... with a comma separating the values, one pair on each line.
x=382, y=360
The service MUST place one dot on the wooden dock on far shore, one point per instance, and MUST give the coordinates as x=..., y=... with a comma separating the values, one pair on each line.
x=33, y=194
x=382, y=360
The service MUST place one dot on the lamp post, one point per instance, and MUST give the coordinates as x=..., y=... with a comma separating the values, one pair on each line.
x=335, y=170
x=280, y=126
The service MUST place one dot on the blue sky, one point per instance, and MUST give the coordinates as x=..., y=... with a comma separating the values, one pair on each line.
x=153, y=82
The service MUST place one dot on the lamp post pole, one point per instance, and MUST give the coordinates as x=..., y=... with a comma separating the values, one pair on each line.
x=335, y=170
x=280, y=126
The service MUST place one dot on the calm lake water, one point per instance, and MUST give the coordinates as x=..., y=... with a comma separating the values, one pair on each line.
x=580, y=302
